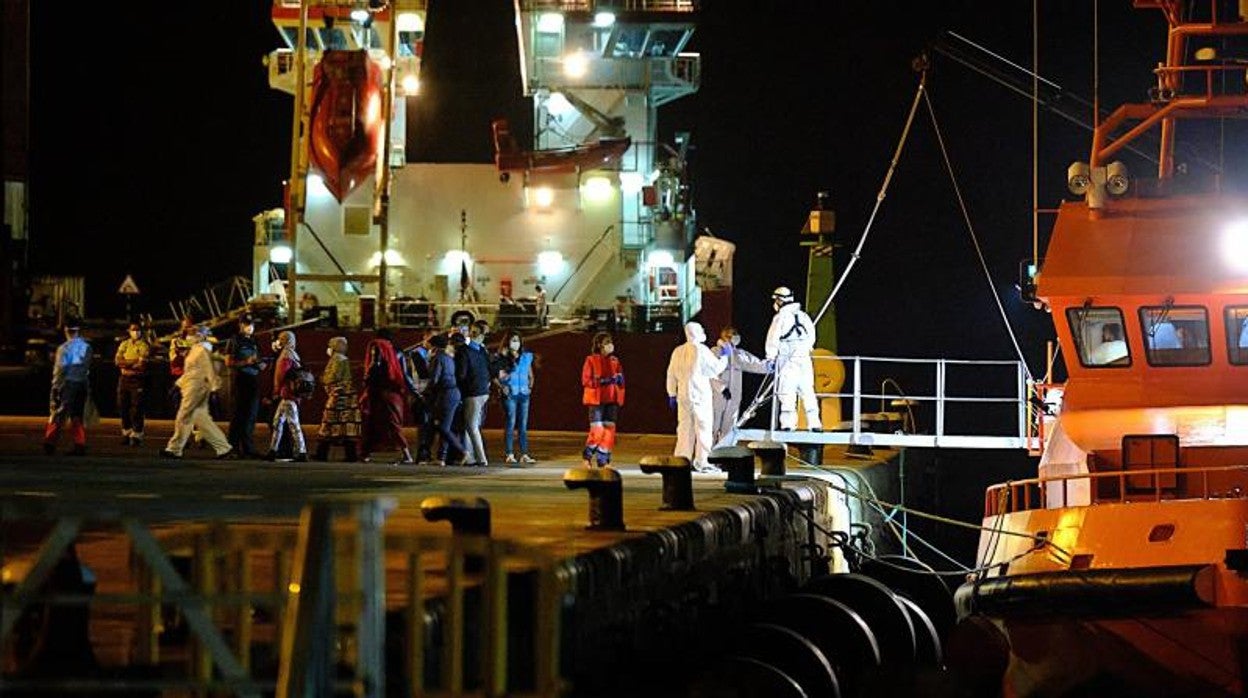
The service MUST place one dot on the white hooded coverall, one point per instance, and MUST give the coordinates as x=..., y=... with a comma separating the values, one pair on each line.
x=689, y=374
x=198, y=382
x=789, y=341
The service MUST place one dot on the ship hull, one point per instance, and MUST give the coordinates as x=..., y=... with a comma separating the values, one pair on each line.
x=1177, y=652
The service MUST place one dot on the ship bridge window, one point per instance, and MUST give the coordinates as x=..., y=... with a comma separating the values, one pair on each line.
x=1176, y=335
x=629, y=42
x=1099, y=337
x=291, y=35
x=1237, y=334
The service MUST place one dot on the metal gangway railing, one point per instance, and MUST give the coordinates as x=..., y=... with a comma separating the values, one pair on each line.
x=948, y=403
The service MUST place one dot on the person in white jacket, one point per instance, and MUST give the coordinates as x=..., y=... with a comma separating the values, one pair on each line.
x=197, y=383
x=789, y=341
x=727, y=386
x=689, y=373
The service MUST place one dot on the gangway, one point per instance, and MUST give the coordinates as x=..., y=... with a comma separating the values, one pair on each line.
x=975, y=404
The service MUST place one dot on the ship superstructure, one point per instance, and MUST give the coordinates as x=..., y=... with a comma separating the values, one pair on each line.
x=594, y=214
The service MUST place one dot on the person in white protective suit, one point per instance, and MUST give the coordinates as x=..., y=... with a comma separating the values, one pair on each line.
x=727, y=386
x=689, y=374
x=789, y=341
x=198, y=382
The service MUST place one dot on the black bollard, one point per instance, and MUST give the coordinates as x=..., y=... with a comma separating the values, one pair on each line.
x=771, y=456
x=677, y=480
x=467, y=516
x=606, y=496
x=738, y=462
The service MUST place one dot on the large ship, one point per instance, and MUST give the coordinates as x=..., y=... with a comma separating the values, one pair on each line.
x=589, y=226
x=594, y=212
x=1123, y=567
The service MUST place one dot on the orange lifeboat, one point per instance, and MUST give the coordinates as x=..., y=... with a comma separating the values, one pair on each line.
x=346, y=119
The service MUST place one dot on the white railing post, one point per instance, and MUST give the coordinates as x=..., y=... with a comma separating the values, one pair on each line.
x=1022, y=404
x=857, y=398
x=940, y=399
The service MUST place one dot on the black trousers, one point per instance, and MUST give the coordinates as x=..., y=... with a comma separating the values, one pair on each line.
x=246, y=410
x=132, y=403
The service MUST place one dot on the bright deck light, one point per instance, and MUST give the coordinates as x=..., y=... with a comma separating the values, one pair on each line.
x=1235, y=245
x=411, y=85
x=549, y=263
x=393, y=259
x=543, y=197
x=281, y=254
x=597, y=189
x=604, y=19
x=359, y=14
x=575, y=65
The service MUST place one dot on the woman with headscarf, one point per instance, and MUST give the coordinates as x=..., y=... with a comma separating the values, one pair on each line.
x=340, y=420
x=383, y=403
x=286, y=414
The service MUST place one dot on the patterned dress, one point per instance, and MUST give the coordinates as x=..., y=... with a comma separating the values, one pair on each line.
x=341, y=418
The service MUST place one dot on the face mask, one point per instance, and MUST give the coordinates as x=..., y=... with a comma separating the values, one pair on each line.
x=277, y=345
x=736, y=339
x=515, y=345
x=329, y=351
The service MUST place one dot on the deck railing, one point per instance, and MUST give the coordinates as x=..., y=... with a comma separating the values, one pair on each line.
x=1026, y=495
x=960, y=403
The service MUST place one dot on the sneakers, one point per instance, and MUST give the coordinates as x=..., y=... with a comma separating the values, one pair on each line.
x=228, y=455
x=526, y=458
x=511, y=458
x=301, y=457
x=166, y=453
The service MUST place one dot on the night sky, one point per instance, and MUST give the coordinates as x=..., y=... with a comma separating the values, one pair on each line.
x=155, y=139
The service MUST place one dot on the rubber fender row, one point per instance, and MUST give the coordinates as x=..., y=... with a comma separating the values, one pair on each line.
x=876, y=632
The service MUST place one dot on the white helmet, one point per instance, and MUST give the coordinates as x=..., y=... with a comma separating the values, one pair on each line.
x=781, y=296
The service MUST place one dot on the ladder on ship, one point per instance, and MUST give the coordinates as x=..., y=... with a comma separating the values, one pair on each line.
x=960, y=403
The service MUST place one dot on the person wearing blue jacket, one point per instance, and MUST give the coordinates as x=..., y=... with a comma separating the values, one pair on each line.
x=443, y=391
x=68, y=400
x=513, y=366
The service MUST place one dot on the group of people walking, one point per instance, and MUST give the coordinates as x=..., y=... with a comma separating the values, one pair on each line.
x=442, y=384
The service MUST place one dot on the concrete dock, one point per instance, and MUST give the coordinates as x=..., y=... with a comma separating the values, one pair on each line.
x=583, y=604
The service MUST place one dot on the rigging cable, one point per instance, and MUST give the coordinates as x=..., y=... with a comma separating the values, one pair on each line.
x=764, y=388
x=879, y=198
x=970, y=228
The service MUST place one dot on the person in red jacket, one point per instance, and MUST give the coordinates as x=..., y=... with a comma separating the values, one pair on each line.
x=602, y=378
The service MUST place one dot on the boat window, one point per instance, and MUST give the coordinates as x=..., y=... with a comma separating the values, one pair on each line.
x=291, y=35
x=1099, y=336
x=1237, y=333
x=1176, y=335
x=629, y=42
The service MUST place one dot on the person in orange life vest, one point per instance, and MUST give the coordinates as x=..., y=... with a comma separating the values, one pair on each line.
x=602, y=377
